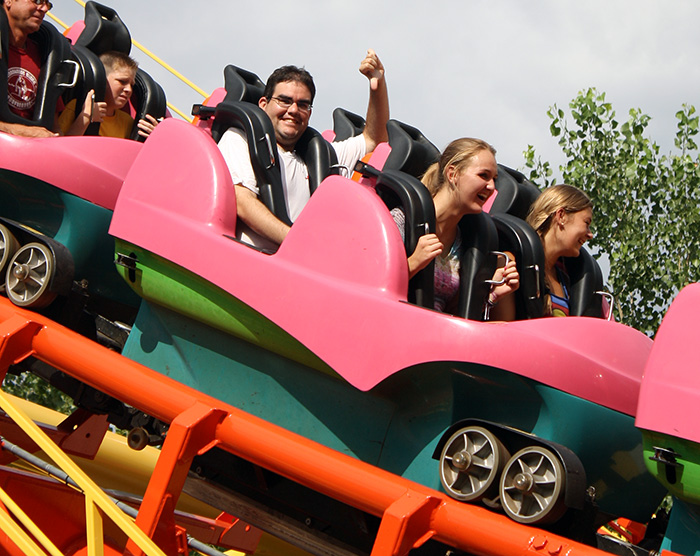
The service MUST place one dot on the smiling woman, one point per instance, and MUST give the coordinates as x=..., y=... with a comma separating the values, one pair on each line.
x=562, y=217
x=460, y=183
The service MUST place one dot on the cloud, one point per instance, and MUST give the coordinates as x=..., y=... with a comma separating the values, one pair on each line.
x=488, y=68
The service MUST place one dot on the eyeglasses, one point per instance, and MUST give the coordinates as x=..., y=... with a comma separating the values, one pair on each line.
x=286, y=103
x=49, y=5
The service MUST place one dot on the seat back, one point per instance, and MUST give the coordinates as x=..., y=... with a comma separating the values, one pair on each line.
x=398, y=189
x=477, y=264
x=58, y=73
x=148, y=97
x=104, y=30
x=346, y=124
x=515, y=193
x=262, y=148
x=411, y=152
x=92, y=76
x=518, y=237
x=586, y=279
x=242, y=85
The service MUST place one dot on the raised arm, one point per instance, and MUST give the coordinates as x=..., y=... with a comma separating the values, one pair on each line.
x=378, y=106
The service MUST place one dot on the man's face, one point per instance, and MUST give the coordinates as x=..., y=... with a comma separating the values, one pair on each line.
x=291, y=121
x=24, y=16
x=120, y=84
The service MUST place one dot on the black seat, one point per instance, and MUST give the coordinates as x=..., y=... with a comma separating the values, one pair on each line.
x=346, y=124
x=262, y=148
x=411, y=152
x=398, y=189
x=477, y=265
x=104, y=32
x=586, y=281
x=515, y=193
x=58, y=73
x=518, y=237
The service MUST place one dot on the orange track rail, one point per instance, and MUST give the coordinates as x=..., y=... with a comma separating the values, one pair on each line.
x=411, y=513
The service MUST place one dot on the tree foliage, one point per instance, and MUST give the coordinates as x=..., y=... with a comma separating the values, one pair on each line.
x=646, y=217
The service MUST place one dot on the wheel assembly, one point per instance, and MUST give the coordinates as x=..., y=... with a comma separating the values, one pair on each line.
x=8, y=247
x=470, y=464
x=532, y=486
x=29, y=276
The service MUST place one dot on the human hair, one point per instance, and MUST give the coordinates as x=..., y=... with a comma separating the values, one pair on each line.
x=459, y=153
x=114, y=60
x=289, y=73
x=556, y=197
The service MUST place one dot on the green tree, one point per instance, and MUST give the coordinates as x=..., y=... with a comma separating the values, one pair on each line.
x=645, y=203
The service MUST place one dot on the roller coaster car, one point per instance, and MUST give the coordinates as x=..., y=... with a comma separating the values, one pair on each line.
x=668, y=418
x=321, y=338
x=54, y=216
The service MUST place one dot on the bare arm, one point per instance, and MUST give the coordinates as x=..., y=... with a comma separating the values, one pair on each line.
x=26, y=130
x=258, y=217
x=378, y=105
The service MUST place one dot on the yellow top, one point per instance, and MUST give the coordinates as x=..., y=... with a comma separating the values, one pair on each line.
x=118, y=125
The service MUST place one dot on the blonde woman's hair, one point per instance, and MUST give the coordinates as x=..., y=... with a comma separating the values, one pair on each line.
x=459, y=153
x=556, y=197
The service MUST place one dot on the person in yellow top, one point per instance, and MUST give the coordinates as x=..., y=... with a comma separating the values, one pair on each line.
x=114, y=122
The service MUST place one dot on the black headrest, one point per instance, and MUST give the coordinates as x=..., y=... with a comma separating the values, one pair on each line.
x=242, y=85
x=411, y=152
x=518, y=237
x=398, y=189
x=58, y=73
x=586, y=279
x=148, y=97
x=104, y=30
x=477, y=265
x=346, y=124
x=515, y=193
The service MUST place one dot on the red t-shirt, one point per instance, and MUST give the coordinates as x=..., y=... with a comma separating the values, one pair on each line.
x=23, y=68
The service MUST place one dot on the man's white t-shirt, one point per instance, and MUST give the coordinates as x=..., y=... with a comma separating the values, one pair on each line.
x=295, y=176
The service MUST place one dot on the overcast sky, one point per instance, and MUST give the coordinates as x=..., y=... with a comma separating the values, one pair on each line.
x=485, y=68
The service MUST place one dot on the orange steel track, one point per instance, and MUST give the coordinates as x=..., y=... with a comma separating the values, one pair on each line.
x=411, y=513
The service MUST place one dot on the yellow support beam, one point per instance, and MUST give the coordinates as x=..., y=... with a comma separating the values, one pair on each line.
x=28, y=524
x=89, y=488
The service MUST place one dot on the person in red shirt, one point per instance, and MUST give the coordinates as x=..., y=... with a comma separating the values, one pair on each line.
x=24, y=63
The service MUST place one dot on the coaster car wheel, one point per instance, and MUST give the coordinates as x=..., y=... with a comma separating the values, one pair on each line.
x=8, y=247
x=29, y=276
x=470, y=464
x=532, y=486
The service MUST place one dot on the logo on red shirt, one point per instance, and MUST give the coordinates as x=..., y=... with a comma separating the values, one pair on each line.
x=21, y=88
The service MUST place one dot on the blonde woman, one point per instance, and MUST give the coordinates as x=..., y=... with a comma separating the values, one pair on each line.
x=460, y=183
x=562, y=217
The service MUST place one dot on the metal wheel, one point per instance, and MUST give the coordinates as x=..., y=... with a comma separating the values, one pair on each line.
x=8, y=247
x=28, y=276
x=470, y=464
x=532, y=486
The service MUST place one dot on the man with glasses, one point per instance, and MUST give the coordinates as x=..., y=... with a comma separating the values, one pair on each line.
x=288, y=99
x=24, y=17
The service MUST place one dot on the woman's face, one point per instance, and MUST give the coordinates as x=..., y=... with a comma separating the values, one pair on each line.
x=475, y=184
x=575, y=231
